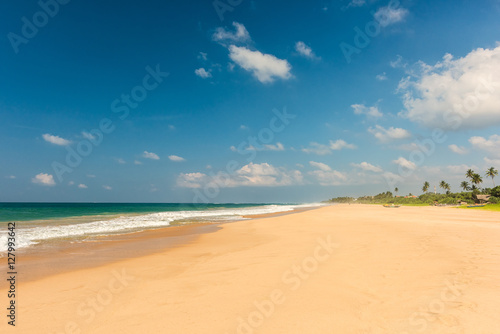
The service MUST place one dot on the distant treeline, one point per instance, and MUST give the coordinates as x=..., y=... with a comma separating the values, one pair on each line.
x=427, y=198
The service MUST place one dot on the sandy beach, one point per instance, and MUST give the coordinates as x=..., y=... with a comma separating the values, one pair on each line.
x=338, y=269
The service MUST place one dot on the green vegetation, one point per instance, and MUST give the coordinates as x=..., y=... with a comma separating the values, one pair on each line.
x=469, y=195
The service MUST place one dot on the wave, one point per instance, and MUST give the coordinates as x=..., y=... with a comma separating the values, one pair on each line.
x=26, y=237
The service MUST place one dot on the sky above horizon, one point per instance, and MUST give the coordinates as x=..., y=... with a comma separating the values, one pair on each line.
x=245, y=101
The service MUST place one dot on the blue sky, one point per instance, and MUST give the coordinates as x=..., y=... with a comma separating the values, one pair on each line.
x=258, y=101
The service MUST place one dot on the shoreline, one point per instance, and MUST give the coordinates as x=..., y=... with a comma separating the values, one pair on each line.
x=55, y=257
x=351, y=269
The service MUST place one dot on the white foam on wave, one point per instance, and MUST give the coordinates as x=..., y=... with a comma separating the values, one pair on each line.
x=26, y=237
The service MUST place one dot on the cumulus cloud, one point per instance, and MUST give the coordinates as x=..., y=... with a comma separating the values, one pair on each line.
x=320, y=165
x=107, y=187
x=326, y=176
x=367, y=167
x=44, y=179
x=387, y=15
x=56, y=140
x=251, y=175
x=265, y=67
x=150, y=155
x=137, y=162
x=405, y=163
x=490, y=145
x=387, y=135
x=361, y=109
x=176, y=158
x=457, y=149
x=321, y=149
x=121, y=161
x=240, y=35
x=202, y=73
x=305, y=50
x=12, y=177
x=455, y=94
x=82, y=186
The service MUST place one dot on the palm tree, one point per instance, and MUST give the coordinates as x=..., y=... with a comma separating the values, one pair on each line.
x=465, y=185
x=492, y=172
x=477, y=179
x=426, y=186
x=469, y=174
x=442, y=184
x=396, y=190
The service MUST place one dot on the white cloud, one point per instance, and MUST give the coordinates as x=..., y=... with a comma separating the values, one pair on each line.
x=107, y=187
x=340, y=144
x=459, y=169
x=12, y=177
x=398, y=63
x=56, y=140
x=171, y=127
x=264, y=67
x=277, y=147
x=455, y=94
x=458, y=149
x=387, y=16
x=490, y=145
x=91, y=175
x=202, y=73
x=321, y=149
x=70, y=183
x=137, y=162
x=368, y=167
x=269, y=147
x=192, y=180
x=150, y=155
x=82, y=186
x=325, y=176
x=243, y=127
x=120, y=161
x=405, y=163
x=305, y=50
x=176, y=158
x=356, y=3
x=361, y=109
x=88, y=135
x=44, y=179
x=251, y=175
x=202, y=56
x=240, y=35
x=492, y=162
x=387, y=135
x=320, y=165
x=381, y=77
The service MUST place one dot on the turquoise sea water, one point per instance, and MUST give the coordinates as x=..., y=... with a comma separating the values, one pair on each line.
x=46, y=222
x=43, y=211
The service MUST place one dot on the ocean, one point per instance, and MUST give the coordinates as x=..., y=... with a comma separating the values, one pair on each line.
x=75, y=222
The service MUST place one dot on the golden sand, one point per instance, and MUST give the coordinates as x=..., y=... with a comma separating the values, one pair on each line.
x=340, y=269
